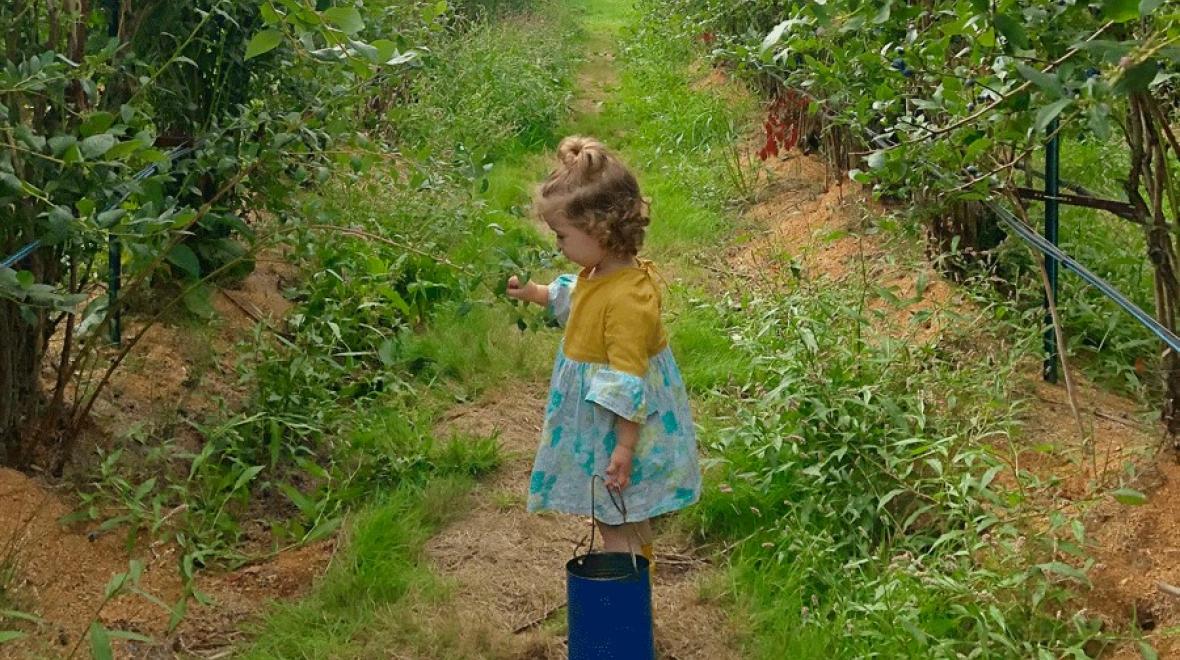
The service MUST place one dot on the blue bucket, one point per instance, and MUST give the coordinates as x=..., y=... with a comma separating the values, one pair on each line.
x=609, y=607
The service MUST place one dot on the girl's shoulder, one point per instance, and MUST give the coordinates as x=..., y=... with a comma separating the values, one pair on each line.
x=638, y=292
x=629, y=281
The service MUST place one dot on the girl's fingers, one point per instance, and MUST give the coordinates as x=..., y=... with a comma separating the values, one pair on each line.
x=616, y=482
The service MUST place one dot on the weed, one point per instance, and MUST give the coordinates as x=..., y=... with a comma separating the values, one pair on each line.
x=508, y=500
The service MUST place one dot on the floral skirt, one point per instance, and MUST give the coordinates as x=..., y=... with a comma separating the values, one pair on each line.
x=579, y=436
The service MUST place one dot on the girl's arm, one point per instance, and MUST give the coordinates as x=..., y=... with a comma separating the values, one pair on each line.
x=618, y=473
x=530, y=292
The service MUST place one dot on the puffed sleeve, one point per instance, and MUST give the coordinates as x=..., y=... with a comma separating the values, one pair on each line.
x=631, y=322
x=560, y=290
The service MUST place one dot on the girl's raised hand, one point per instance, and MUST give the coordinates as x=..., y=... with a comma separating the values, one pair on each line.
x=527, y=291
x=516, y=289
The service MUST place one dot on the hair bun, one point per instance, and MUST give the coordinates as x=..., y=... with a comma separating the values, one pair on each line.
x=582, y=153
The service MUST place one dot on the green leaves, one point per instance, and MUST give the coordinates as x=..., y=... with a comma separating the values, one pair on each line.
x=1129, y=496
x=1045, y=82
x=1109, y=51
x=1120, y=11
x=10, y=635
x=263, y=42
x=97, y=145
x=95, y=123
x=100, y=643
x=26, y=136
x=431, y=12
x=772, y=38
x=347, y=19
x=59, y=143
x=246, y=477
x=183, y=257
x=1012, y=30
x=1049, y=112
x=197, y=301
x=1146, y=7
x=1064, y=570
x=1137, y=78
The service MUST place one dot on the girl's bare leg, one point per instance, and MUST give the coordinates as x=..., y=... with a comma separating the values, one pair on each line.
x=630, y=537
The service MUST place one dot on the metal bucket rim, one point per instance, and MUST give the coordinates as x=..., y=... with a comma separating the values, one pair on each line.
x=574, y=567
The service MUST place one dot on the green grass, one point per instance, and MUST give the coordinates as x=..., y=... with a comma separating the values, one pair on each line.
x=382, y=564
x=674, y=136
x=1107, y=340
x=704, y=351
x=479, y=348
x=495, y=88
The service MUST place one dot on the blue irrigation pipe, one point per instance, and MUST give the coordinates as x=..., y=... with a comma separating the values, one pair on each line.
x=1052, y=179
x=21, y=254
x=1030, y=236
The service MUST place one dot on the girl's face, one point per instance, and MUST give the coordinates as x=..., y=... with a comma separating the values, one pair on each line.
x=575, y=244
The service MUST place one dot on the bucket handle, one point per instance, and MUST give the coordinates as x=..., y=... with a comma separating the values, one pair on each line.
x=620, y=506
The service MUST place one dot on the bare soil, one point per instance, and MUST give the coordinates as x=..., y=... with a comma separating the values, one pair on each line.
x=60, y=574
x=1136, y=549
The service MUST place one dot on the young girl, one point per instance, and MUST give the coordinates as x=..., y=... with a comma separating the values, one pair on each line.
x=617, y=405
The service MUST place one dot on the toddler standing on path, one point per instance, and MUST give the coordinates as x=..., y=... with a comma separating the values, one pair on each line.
x=617, y=404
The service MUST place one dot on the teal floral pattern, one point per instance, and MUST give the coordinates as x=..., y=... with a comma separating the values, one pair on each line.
x=578, y=436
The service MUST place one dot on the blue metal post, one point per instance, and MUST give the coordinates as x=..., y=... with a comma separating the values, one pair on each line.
x=115, y=256
x=1052, y=178
x=115, y=247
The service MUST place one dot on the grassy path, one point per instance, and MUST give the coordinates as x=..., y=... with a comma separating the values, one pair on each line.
x=507, y=566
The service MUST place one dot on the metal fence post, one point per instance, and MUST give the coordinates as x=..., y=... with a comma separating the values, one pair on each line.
x=115, y=256
x=1052, y=178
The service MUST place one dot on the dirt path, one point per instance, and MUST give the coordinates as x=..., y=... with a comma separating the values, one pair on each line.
x=509, y=565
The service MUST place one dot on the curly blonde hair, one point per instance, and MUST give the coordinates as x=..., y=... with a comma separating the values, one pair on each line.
x=595, y=192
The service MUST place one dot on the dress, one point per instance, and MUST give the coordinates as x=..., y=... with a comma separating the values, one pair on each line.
x=614, y=360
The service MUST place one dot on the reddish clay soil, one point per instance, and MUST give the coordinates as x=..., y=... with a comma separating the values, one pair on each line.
x=59, y=573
